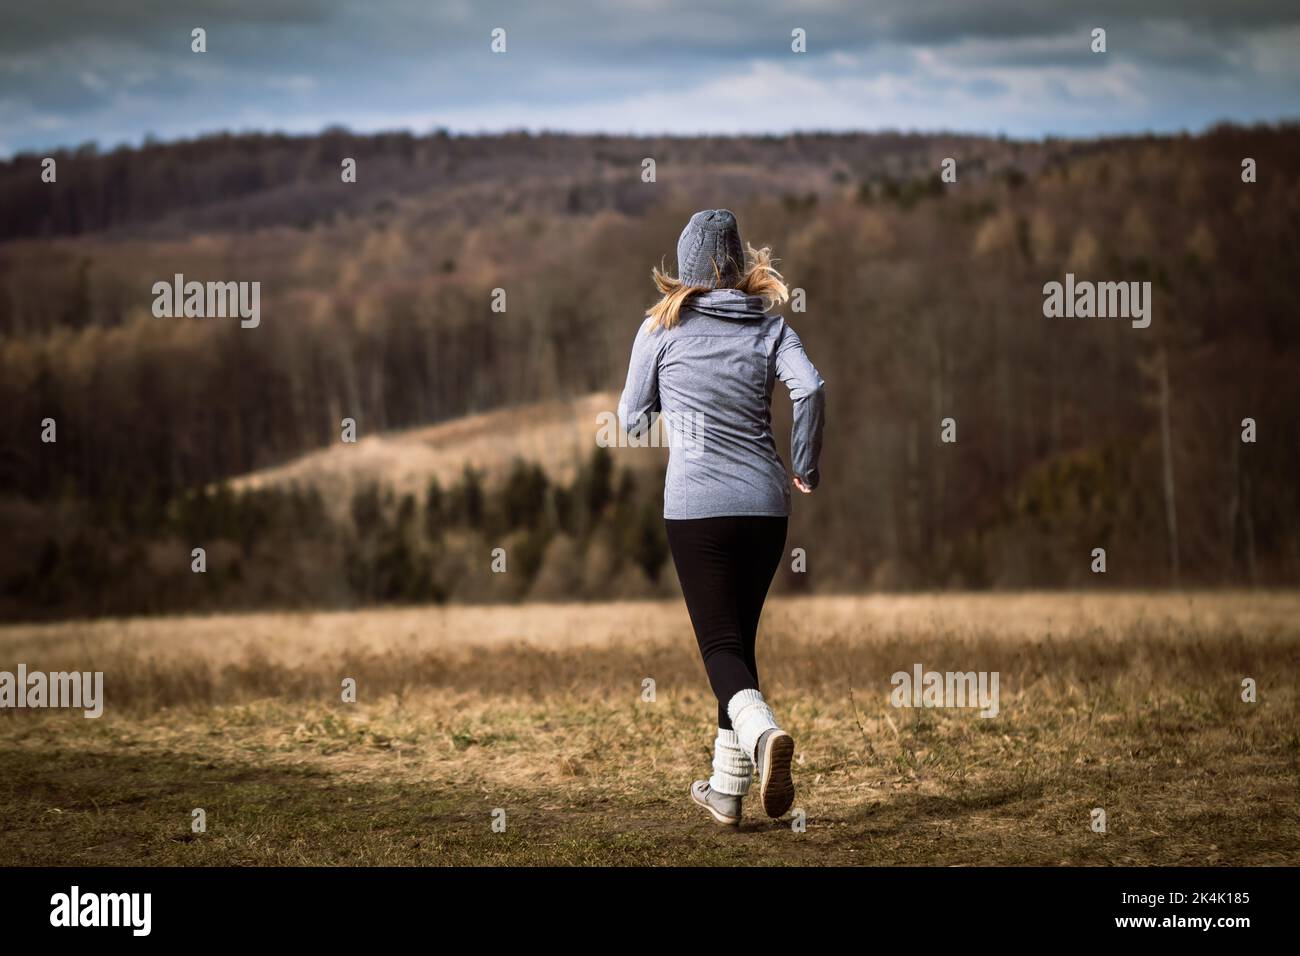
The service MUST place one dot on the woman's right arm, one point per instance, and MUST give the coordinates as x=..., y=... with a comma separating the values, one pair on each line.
x=808, y=393
x=641, y=393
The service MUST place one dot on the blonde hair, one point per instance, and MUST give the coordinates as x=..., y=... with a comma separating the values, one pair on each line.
x=760, y=278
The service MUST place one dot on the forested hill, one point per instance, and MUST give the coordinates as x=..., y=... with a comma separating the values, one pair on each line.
x=237, y=183
x=924, y=302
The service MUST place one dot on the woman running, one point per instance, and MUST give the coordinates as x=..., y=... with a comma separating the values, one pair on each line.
x=706, y=360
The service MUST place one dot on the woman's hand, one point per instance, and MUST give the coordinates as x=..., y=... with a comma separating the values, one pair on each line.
x=798, y=483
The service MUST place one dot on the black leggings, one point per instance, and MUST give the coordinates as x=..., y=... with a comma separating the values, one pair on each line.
x=725, y=566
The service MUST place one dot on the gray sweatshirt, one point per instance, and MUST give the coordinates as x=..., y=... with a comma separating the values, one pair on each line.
x=710, y=379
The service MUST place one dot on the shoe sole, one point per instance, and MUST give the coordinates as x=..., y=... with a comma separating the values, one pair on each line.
x=724, y=820
x=777, y=788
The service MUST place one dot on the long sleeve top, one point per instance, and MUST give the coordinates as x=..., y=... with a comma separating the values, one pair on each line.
x=710, y=378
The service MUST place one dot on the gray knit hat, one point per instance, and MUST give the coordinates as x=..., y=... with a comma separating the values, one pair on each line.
x=711, y=239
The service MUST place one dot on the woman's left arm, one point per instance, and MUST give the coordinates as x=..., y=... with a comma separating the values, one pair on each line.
x=808, y=393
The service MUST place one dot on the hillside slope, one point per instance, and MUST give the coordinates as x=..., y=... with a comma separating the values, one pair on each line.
x=556, y=435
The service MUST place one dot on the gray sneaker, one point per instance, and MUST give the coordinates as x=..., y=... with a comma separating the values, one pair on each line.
x=725, y=808
x=772, y=758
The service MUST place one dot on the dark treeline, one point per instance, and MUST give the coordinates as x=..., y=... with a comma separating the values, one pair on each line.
x=598, y=536
x=924, y=302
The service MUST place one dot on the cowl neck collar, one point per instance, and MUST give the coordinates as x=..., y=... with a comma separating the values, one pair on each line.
x=727, y=304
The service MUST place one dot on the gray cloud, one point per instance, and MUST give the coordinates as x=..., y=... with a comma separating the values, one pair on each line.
x=33, y=28
x=76, y=70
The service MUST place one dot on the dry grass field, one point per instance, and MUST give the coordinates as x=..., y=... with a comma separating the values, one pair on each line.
x=1126, y=702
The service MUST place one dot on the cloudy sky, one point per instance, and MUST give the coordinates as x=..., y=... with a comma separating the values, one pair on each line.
x=112, y=71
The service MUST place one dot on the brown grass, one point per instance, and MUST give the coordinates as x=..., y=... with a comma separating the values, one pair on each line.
x=1127, y=702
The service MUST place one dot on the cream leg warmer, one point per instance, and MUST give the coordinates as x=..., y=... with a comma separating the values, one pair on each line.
x=732, y=768
x=750, y=717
